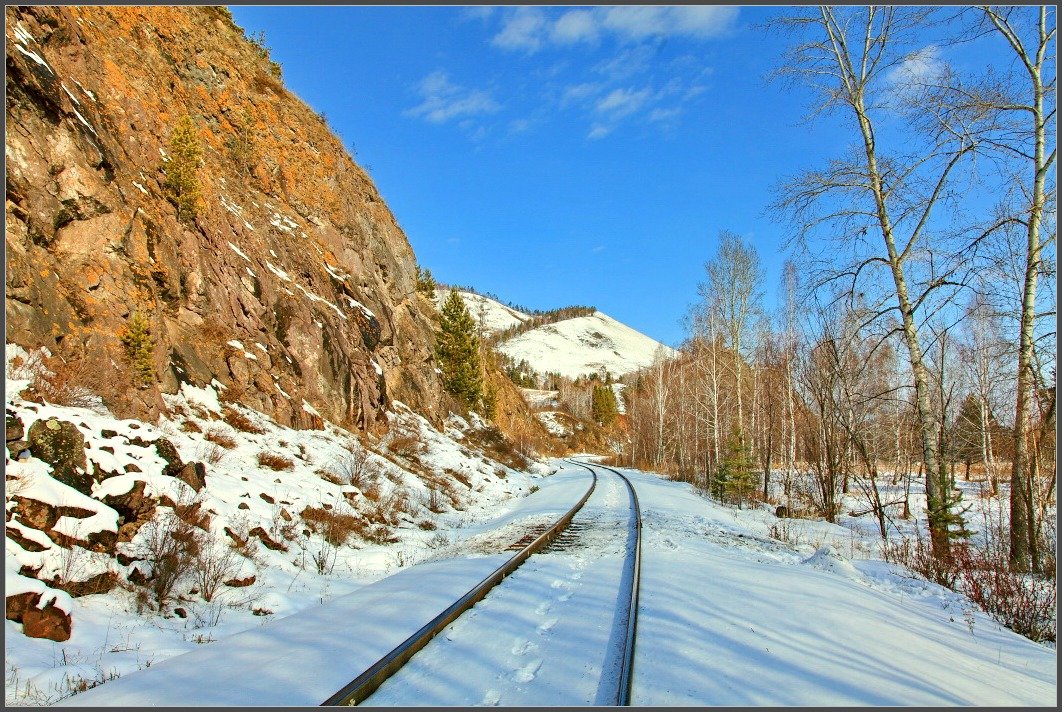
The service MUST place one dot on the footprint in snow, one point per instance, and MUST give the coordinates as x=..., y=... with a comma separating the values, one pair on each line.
x=547, y=626
x=491, y=698
x=527, y=672
x=543, y=608
x=523, y=647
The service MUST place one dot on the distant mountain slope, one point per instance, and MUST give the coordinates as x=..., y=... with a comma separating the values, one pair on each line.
x=583, y=345
x=492, y=316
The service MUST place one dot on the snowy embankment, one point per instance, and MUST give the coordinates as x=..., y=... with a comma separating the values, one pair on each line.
x=417, y=490
x=313, y=653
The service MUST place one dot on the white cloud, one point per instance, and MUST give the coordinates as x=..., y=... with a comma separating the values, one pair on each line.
x=444, y=100
x=578, y=92
x=665, y=115
x=524, y=30
x=529, y=28
x=519, y=126
x=623, y=102
x=919, y=67
x=598, y=131
x=698, y=21
x=575, y=26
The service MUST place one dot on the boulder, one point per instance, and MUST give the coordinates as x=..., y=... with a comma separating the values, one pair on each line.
x=18, y=604
x=14, y=429
x=193, y=474
x=61, y=445
x=781, y=511
x=264, y=537
x=49, y=622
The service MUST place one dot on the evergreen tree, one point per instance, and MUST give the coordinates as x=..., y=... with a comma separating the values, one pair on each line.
x=603, y=406
x=457, y=350
x=735, y=480
x=426, y=284
x=182, y=166
x=139, y=347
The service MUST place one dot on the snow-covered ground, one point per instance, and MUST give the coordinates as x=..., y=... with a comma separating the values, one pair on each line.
x=420, y=494
x=729, y=616
x=585, y=345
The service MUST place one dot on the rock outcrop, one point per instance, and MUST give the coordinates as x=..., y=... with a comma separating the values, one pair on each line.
x=293, y=285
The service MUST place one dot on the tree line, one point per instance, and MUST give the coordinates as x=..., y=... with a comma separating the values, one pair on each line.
x=914, y=336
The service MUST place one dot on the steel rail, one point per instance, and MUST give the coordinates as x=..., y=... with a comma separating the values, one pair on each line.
x=623, y=689
x=367, y=682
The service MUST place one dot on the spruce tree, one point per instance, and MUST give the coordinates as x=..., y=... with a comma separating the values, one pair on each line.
x=457, y=350
x=182, y=167
x=603, y=406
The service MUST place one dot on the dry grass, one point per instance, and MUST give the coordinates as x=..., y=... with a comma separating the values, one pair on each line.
x=190, y=426
x=334, y=525
x=406, y=445
x=241, y=422
x=274, y=461
x=221, y=438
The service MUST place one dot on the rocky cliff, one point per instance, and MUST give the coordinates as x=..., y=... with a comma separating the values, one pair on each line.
x=292, y=285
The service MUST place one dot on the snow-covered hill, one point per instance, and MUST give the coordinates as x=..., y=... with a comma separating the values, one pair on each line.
x=571, y=347
x=491, y=316
x=583, y=345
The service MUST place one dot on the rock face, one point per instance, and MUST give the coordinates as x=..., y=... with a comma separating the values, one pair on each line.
x=293, y=285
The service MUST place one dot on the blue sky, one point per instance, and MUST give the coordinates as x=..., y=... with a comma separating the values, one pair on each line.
x=561, y=155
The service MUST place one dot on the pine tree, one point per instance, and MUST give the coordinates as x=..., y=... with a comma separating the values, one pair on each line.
x=457, y=350
x=603, y=406
x=182, y=166
x=426, y=283
x=139, y=347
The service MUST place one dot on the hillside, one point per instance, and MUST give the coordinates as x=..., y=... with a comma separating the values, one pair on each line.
x=291, y=282
x=572, y=347
x=584, y=345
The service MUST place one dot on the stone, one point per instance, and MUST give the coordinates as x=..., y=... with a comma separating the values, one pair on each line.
x=35, y=514
x=49, y=622
x=180, y=612
x=241, y=582
x=781, y=511
x=168, y=452
x=61, y=445
x=264, y=537
x=18, y=449
x=14, y=429
x=193, y=474
x=18, y=604
x=267, y=498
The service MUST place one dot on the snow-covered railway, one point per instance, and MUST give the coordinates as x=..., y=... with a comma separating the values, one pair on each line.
x=558, y=631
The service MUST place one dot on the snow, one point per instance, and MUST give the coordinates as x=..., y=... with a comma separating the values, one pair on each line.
x=584, y=345
x=238, y=251
x=34, y=56
x=143, y=190
x=491, y=316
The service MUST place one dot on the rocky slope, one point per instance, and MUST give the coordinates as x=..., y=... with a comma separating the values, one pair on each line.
x=292, y=287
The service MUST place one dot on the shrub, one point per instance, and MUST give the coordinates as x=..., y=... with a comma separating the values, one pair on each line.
x=221, y=438
x=139, y=347
x=241, y=422
x=354, y=467
x=407, y=445
x=426, y=284
x=334, y=525
x=169, y=546
x=274, y=461
x=211, y=567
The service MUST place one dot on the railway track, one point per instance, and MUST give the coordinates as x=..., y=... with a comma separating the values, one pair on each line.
x=561, y=536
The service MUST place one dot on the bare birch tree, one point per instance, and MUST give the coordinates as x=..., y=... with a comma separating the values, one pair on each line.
x=879, y=204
